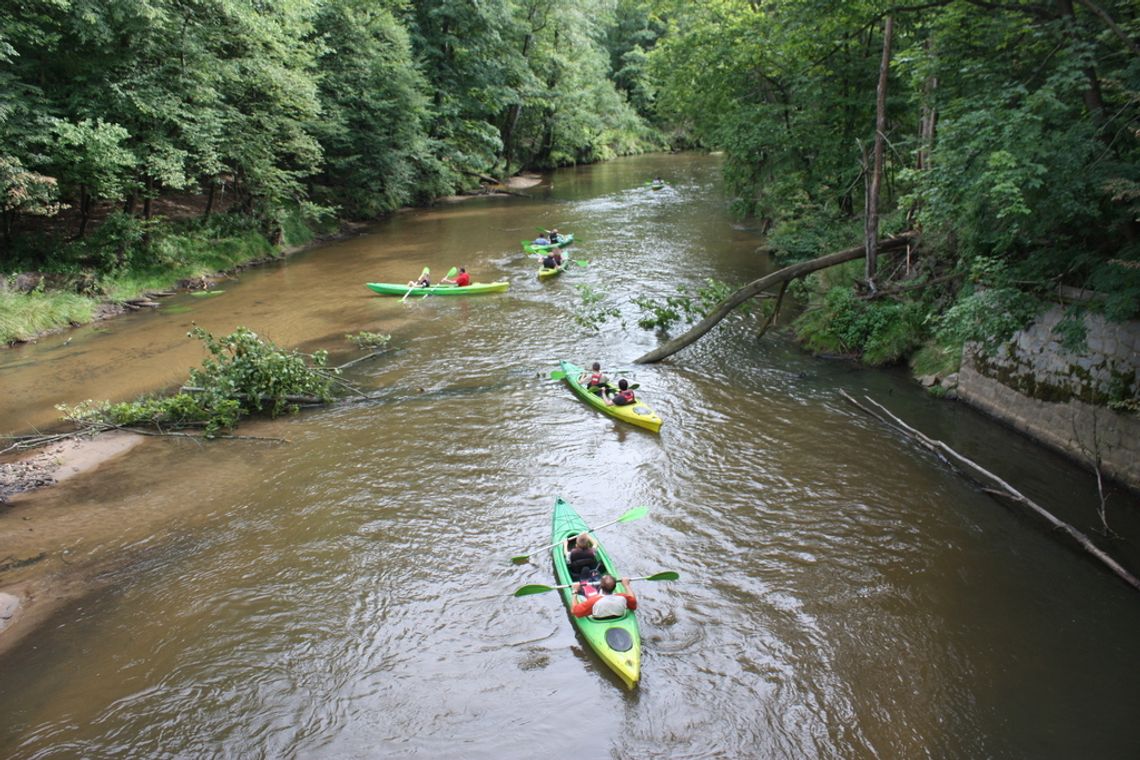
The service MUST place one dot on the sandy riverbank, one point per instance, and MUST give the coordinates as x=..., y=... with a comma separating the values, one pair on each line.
x=37, y=575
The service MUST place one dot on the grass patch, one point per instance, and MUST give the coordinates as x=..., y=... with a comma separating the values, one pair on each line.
x=23, y=316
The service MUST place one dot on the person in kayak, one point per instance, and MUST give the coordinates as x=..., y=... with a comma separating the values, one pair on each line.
x=582, y=557
x=552, y=260
x=553, y=236
x=461, y=280
x=624, y=395
x=605, y=603
x=423, y=282
x=594, y=380
x=542, y=239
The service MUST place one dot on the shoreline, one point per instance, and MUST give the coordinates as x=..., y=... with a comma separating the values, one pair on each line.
x=37, y=577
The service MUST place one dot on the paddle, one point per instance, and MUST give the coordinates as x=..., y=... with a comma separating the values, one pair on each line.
x=450, y=273
x=633, y=514
x=425, y=272
x=538, y=588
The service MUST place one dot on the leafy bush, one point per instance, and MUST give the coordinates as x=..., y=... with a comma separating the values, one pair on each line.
x=593, y=314
x=242, y=375
x=881, y=331
x=988, y=316
x=662, y=315
x=364, y=339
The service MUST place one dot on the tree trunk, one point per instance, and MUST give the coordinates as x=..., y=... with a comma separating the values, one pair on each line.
x=756, y=287
x=148, y=198
x=84, y=211
x=1094, y=102
x=210, y=200
x=871, y=226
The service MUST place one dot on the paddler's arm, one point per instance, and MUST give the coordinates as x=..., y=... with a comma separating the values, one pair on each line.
x=630, y=597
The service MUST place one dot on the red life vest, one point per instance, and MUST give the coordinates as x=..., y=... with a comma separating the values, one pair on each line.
x=626, y=397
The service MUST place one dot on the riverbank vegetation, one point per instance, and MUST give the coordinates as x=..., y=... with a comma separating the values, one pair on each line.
x=244, y=374
x=1009, y=140
x=143, y=142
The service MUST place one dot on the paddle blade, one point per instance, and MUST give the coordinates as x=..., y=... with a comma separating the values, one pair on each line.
x=634, y=514
x=521, y=559
x=557, y=375
x=668, y=575
x=452, y=272
x=532, y=589
x=582, y=262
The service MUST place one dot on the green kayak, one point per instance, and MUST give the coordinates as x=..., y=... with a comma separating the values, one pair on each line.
x=446, y=289
x=563, y=241
x=635, y=414
x=616, y=641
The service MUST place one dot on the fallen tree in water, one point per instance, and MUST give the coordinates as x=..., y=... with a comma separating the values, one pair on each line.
x=757, y=287
x=1004, y=489
x=243, y=375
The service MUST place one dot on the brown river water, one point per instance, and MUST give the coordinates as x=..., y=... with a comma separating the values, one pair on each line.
x=346, y=593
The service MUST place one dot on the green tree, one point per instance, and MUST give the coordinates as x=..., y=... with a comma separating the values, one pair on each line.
x=373, y=126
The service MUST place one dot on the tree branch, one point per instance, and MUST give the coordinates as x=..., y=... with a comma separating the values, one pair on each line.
x=1006, y=490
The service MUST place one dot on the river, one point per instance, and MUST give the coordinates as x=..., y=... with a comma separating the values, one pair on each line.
x=345, y=592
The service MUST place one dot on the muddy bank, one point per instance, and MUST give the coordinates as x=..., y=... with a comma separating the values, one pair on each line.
x=38, y=571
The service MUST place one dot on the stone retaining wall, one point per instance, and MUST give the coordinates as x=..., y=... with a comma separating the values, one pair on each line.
x=1061, y=398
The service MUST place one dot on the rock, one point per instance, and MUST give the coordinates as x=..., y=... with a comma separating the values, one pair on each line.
x=26, y=282
x=928, y=381
x=9, y=606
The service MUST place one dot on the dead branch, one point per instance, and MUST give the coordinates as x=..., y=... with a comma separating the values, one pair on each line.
x=1006, y=490
x=359, y=359
x=913, y=286
x=775, y=311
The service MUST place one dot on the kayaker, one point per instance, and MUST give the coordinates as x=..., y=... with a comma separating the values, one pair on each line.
x=582, y=556
x=423, y=282
x=461, y=280
x=624, y=395
x=542, y=239
x=594, y=380
x=606, y=603
x=554, y=236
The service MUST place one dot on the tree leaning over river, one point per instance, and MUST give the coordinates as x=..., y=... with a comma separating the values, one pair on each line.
x=1010, y=144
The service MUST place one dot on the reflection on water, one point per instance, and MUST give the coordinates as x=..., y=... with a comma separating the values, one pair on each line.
x=347, y=594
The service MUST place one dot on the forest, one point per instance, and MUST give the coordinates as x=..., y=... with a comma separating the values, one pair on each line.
x=145, y=141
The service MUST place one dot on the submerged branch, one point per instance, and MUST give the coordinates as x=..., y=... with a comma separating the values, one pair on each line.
x=1005, y=490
